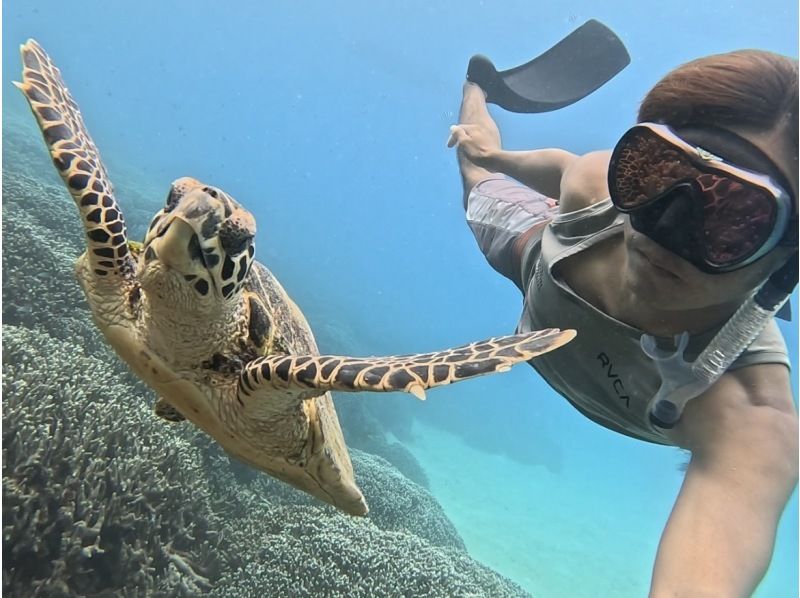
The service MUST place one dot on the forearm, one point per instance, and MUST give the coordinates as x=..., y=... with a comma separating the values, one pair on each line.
x=718, y=541
x=743, y=437
x=538, y=169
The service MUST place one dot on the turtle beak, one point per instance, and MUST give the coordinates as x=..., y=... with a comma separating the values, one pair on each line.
x=179, y=248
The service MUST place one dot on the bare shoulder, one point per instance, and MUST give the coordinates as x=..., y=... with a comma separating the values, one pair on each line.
x=585, y=181
x=757, y=385
x=751, y=397
x=766, y=384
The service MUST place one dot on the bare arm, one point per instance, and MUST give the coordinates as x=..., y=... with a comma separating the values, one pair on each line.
x=479, y=149
x=575, y=180
x=743, y=436
x=538, y=169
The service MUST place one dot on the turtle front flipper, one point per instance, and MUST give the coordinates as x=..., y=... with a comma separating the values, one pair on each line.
x=305, y=376
x=78, y=162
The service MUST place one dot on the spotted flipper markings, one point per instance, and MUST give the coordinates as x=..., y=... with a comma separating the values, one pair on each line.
x=306, y=376
x=78, y=162
x=165, y=410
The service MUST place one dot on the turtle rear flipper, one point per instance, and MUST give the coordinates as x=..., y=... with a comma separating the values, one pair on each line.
x=78, y=162
x=167, y=411
x=299, y=377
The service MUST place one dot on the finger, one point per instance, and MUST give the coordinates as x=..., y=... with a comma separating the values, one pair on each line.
x=455, y=132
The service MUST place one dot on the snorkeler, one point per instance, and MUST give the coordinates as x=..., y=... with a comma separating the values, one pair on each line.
x=672, y=231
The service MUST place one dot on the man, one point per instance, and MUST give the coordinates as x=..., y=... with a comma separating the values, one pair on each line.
x=702, y=209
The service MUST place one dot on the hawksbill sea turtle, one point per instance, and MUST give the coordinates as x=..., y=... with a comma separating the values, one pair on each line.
x=213, y=332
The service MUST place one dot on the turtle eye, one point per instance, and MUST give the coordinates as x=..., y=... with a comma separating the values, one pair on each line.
x=234, y=239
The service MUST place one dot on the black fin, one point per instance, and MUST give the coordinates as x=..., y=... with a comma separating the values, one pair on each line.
x=569, y=71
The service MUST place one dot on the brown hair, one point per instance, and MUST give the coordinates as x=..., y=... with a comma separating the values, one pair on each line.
x=748, y=88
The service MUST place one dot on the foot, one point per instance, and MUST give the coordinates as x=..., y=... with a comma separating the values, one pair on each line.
x=476, y=135
x=473, y=104
x=470, y=87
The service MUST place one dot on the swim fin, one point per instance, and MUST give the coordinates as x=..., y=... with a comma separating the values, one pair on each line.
x=572, y=69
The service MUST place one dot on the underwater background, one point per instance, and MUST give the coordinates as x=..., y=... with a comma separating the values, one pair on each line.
x=328, y=121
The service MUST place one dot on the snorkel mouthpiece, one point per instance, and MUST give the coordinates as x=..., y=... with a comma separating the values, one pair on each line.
x=665, y=414
x=679, y=383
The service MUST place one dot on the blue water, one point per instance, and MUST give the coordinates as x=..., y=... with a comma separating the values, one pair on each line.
x=329, y=121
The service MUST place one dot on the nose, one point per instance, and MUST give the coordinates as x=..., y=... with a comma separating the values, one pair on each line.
x=673, y=221
x=678, y=213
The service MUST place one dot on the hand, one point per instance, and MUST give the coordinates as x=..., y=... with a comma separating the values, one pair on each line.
x=477, y=143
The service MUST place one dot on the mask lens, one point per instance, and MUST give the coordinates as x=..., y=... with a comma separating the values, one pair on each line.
x=738, y=218
x=646, y=166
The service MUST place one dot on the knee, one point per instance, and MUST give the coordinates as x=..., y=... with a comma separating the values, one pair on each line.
x=471, y=175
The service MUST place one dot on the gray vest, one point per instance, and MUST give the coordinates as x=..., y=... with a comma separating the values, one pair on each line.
x=603, y=372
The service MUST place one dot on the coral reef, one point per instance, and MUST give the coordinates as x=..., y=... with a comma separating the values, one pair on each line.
x=102, y=498
x=395, y=503
x=304, y=554
x=364, y=432
x=87, y=502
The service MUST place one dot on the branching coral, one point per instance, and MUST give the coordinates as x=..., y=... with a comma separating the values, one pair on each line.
x=307, y=554
x=86, y=504
x=364, y=432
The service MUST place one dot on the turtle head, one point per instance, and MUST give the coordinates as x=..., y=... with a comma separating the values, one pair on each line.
x=199, y=247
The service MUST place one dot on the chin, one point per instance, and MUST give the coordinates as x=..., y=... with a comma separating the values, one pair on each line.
x=660, y=287
x=656, y=292
x=664, y=292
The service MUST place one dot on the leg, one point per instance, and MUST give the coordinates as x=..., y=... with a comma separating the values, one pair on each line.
x=743, y=437
x=503, y=214
x=474, y=112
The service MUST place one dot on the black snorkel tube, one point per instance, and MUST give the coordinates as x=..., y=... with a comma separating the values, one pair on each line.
x=682, y=380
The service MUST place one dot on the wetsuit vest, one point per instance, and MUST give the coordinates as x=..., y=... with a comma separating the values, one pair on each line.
x=603, y=372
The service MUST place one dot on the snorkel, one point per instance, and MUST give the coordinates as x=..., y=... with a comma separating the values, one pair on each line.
x=683, y=380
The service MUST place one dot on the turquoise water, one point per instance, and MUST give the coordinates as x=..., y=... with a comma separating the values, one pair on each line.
x=329, y=123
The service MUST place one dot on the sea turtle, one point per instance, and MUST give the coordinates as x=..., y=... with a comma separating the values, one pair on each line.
x=213, y=332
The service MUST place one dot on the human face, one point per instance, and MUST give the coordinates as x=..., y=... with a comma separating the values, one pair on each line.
x=667, y=281
x=716, y=215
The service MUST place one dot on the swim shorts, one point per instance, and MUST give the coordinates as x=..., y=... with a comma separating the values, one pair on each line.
x=503, y=216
